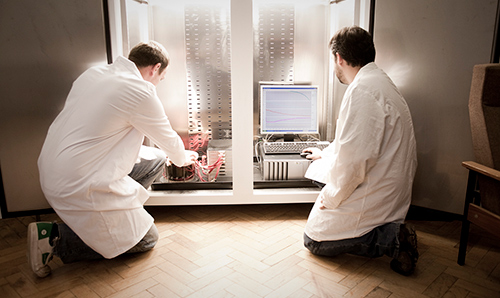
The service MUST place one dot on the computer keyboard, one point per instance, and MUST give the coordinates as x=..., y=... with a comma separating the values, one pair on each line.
x=291, y=147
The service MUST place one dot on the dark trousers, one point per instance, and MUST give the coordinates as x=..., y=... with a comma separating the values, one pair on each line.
x=382, y=240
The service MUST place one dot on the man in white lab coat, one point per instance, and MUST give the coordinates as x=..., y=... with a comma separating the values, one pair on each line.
x=368, y=170
x=93, y=168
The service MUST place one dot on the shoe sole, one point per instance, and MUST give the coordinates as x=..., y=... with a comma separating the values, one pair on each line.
x=44, y=270
x=402, y=261
x=411, y=240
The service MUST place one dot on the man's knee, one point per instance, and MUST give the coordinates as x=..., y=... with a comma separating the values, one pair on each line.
x=310, y=244
x=151, y=238
x=147, y=242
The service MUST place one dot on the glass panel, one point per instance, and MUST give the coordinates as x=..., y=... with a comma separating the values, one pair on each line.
x=196, y=93
x=209, y=89
x=290, y=48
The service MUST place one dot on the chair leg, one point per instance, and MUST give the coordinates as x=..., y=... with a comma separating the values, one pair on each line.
x=464, y=238
x=470, y=196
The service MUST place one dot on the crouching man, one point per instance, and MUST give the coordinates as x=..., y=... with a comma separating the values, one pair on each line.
x=368, y=170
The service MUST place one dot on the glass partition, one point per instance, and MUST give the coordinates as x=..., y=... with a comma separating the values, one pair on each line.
x=196, y=92
x=290, y=48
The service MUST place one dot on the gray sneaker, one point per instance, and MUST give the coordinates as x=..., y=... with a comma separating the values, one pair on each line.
x=407, y=258
x=39, y=248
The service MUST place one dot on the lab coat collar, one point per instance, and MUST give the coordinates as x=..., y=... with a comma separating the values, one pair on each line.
x=368, y=67
x=363, y=70
x=124, y=63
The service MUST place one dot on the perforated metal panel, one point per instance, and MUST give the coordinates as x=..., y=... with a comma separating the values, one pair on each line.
x=274, y=40
x=207, y=37
x=275, y=43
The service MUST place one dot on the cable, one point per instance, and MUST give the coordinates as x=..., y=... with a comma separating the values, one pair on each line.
x=203, y=169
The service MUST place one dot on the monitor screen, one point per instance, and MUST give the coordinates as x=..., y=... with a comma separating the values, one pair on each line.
x=288, y=109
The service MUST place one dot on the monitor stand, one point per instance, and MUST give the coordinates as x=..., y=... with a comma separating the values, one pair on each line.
x=289, y=138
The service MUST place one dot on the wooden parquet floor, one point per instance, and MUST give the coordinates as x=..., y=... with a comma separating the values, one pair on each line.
x=252, y=251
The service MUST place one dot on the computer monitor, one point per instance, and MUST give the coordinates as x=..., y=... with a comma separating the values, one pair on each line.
x=288, y=109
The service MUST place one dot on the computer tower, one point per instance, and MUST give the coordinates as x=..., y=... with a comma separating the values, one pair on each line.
x=283, y=167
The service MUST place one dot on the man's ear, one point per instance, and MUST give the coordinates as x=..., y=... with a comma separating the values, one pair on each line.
x=156, y=67
x=340, y=61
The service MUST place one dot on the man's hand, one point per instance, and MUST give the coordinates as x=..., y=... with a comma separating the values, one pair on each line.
x=314, y=153
x=191, y=157
x=321, y=202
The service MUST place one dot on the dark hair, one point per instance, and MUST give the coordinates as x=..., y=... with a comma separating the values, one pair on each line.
x=354, y=45
x=150, y=53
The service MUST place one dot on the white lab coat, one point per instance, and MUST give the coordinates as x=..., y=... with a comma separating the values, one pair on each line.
x=92, y=146
x=369, y=167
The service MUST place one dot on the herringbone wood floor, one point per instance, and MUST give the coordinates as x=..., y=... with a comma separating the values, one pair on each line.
x=252, y=251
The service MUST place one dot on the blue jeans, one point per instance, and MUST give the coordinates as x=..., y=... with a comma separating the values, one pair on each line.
x=70, y=248
x=383, y=240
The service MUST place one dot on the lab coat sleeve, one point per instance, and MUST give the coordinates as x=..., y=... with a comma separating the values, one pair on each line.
x=356, y=147
x=150, y=118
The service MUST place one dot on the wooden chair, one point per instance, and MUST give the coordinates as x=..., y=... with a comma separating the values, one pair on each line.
x=482, y=199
